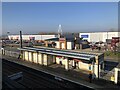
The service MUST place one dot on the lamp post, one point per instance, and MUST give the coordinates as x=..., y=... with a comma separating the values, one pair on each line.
x=8, y=34
x=10, y=46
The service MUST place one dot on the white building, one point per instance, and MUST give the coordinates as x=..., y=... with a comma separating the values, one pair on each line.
x=69, y=45
x=98, y=36
x=34, y=37
x=62, y=43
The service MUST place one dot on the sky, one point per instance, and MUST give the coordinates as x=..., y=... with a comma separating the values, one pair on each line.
x=35, y=17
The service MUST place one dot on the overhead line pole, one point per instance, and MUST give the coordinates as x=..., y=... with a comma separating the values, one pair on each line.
x=20, y=39
x=20, y=56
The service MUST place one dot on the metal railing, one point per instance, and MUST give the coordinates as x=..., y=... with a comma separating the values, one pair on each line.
x=11, y=53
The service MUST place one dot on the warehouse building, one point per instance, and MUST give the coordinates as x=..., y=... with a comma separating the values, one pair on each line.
x=98, y=36
x=31, y=37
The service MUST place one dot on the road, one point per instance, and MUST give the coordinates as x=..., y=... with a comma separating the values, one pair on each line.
x=36, y=79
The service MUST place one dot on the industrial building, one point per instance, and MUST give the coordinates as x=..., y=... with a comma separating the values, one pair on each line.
x=31, y=37
x=98, y=36
x=93, y=63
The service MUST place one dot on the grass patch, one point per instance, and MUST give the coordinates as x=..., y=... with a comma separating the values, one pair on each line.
x=111, y=54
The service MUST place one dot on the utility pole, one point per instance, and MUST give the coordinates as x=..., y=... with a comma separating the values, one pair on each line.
x=20, y=39
x=20, y=45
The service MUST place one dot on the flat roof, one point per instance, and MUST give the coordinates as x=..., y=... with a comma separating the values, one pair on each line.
x=52, y=39
x=69, y=54
x=57, y=39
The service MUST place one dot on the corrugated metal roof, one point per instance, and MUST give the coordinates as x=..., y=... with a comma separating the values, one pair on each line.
x=83, y=56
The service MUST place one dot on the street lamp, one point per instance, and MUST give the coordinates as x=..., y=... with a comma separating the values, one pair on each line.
x=8, y=34
x=10, y=46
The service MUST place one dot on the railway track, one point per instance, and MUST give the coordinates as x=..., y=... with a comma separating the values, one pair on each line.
x=28, y=77
x=36, y=79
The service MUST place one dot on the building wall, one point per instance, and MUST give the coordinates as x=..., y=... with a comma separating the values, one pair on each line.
x=99, y=36
x=50, y=59
x=26, y=55
x=27, y=37
x=57, y=44
x=83, y=66
x=40, y=58
x=63, y=45
x=30, y=56
x=70, y=45
x=35, y=58
x=58, y=59
x=96, y=37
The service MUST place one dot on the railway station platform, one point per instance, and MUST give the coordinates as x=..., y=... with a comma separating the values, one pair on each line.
x=71, y=75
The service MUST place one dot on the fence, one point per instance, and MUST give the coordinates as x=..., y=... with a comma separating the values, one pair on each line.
x=11, y=53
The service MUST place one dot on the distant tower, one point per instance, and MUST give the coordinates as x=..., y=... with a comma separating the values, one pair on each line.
x=59, y=31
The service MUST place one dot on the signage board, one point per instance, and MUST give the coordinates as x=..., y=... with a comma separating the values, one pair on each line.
x=84, y=36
